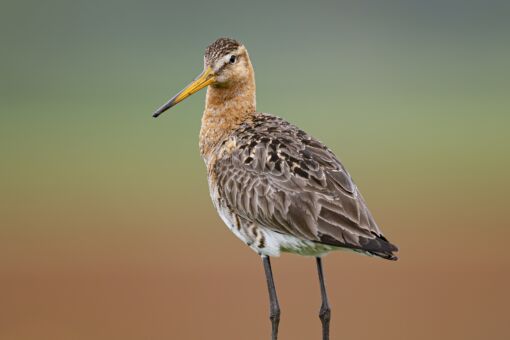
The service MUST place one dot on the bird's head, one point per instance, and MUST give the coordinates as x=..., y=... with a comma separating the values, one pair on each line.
x=226, y=64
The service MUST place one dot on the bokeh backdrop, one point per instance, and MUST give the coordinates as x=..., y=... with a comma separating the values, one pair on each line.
x=106, y=226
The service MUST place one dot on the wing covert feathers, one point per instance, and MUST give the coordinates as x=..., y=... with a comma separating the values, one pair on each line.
x=276, y=175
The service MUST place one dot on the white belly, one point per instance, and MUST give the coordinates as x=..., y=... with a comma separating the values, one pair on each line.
x=274, y=242
x=278, y=242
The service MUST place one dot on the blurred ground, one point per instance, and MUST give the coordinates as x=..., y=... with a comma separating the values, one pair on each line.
x=161, y=284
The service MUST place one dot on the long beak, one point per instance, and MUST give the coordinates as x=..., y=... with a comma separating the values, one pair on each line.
x=207, y=77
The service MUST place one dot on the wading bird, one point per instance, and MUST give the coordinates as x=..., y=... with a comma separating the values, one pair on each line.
x=276, y=188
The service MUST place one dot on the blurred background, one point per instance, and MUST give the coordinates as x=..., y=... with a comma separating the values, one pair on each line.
x=106, y=226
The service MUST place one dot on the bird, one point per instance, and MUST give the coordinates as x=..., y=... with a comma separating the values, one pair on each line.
x=276, y=187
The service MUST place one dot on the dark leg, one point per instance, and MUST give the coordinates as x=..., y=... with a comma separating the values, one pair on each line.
x=325, y=311
x=274, y=307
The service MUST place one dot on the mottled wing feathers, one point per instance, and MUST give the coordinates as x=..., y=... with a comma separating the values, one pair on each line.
x=281, y=178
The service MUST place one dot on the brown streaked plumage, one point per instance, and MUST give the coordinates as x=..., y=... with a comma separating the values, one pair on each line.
x=276, y=187
x=280, y=178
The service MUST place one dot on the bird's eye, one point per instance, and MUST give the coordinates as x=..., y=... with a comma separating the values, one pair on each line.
x=232, y=59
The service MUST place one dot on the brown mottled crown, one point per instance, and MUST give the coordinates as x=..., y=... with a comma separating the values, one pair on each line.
x=219, y=48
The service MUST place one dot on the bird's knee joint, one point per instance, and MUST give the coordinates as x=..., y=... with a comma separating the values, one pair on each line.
x=325, y=313
x=275, y=318
x=274, y=315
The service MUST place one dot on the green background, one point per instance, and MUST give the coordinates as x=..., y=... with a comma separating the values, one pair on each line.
x=106, y=226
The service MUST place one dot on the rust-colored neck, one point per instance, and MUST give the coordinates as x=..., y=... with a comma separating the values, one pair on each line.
x=225, y=109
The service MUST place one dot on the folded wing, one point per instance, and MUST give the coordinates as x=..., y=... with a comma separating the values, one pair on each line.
x=283, y=179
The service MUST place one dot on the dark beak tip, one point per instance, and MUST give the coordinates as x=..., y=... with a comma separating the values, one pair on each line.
x=163, y=108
